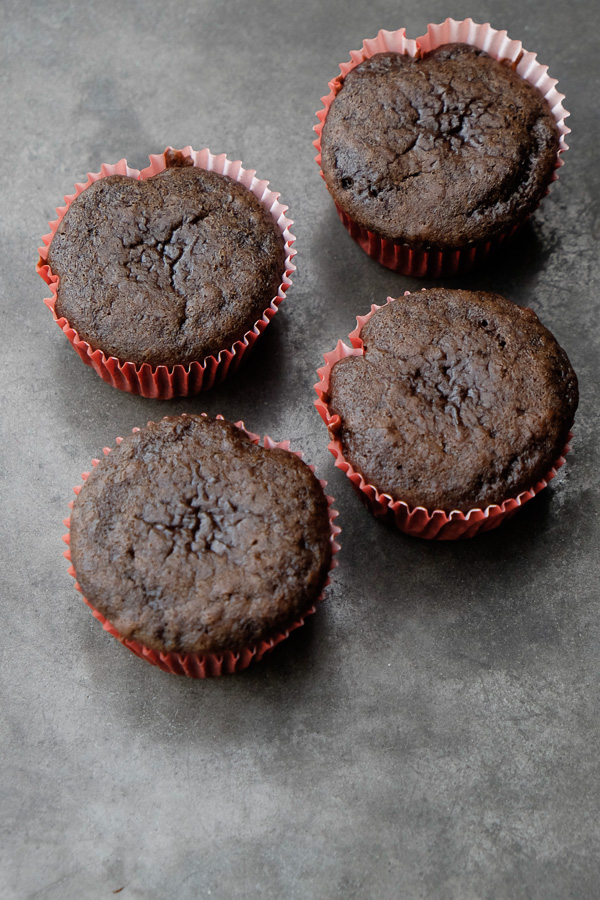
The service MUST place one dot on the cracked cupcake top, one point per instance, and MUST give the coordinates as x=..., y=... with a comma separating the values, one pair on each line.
x=189, y=538
x=167, y=270
x=438, y=152
x=461, y=400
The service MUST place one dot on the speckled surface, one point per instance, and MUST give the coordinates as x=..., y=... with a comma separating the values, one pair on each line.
x=433, y=731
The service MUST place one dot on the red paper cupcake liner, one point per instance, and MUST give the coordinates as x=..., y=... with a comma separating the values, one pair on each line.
x=436, y=263
x=166, y=382
x=417, y=521
x=206, y=665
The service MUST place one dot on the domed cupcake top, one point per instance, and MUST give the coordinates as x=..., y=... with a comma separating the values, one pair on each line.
x=440, y=151
x=168, y=269
x=460, y=400
x=190, y=538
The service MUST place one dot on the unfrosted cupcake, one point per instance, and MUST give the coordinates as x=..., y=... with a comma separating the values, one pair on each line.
x=201, y=548
x=450, y=403
x=177, y=270
x=436, y=150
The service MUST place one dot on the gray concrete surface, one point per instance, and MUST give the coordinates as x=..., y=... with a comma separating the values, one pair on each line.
x=433, y=731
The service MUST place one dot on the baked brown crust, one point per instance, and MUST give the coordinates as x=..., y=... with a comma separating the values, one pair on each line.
x=189, y=538
x=461, y=400
x=167, y=270
x=438, y=152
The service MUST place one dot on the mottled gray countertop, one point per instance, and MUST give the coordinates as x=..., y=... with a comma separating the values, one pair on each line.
x=433, y=731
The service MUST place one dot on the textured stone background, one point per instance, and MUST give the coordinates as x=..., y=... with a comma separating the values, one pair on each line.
x=433, y=731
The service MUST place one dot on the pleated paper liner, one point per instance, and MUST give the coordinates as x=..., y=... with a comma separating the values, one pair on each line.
x=417, y=521
x=435, y=263
x=165, y=382
x=211, y=664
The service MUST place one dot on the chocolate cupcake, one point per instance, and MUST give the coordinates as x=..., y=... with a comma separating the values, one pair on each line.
x=196, y=544
x=435, y=153
x=168, y=270
x=450, y=402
